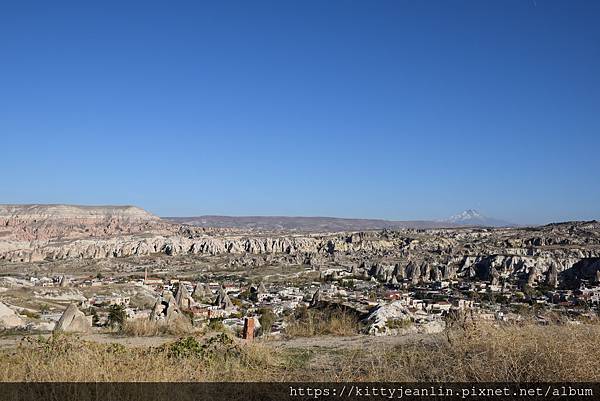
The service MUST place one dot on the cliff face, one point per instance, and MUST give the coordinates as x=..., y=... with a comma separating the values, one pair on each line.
x=51, y=222
x=65, y=212
x=388, y=257
x=176, y=244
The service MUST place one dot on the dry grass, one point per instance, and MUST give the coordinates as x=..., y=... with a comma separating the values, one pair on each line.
x=488, y=353
x=312, y=322
x=67, y=358
x=148, y=328
x=477, y=353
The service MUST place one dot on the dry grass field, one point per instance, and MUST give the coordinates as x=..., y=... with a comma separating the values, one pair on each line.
x=314, y=322
x=482, y=352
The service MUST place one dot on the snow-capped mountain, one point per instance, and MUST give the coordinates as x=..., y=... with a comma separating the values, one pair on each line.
x=471, y=217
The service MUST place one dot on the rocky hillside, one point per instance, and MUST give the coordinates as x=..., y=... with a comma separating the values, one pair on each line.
x=52, y=222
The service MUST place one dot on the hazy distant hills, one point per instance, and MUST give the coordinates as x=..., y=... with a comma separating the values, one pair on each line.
x=334, y=224
x=69, y=221
x=304, y=224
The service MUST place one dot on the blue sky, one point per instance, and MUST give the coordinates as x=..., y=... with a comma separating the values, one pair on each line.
x=380, y=109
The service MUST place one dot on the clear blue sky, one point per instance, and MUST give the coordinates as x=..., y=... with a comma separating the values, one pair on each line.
x=383, y=109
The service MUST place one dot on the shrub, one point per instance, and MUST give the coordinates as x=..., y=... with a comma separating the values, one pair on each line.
x=216, y=325
x=220, y=346
x=184, y=348
x=266, y=320
x=399, y=324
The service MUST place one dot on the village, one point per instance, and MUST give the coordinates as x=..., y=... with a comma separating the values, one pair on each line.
x=87, y=303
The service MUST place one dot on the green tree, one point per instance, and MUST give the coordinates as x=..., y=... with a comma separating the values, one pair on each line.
x=116, y=316
x=349, y=284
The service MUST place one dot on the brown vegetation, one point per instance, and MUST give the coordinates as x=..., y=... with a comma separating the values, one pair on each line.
x=314, y=322
x=148, y=328
x=482, y=352
x=491, y=353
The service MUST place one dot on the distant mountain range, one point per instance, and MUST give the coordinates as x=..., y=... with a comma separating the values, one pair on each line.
x=303, y=224
x=334, y=224
x=72, y=219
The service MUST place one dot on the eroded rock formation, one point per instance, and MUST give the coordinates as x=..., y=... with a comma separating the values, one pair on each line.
x=555, y=254
x=74, y=321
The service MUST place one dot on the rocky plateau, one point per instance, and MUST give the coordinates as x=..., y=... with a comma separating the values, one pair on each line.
x=561, y=254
